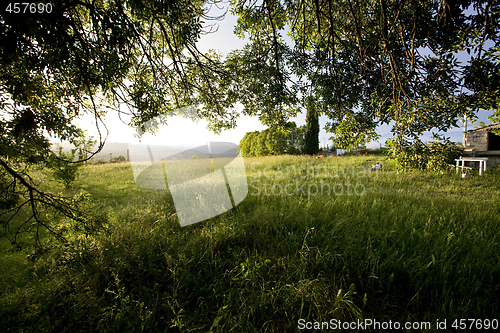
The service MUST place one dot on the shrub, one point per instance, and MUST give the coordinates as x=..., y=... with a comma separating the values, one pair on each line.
x=118, y=159
x=443, y=152
x=434, y=156
x=64, y=166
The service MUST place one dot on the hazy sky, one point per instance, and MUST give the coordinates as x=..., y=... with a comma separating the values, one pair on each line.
x=225, y=41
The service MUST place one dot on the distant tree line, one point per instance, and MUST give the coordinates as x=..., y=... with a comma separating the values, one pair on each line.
x=274, y=141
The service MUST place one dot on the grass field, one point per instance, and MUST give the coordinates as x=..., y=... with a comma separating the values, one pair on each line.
x=316, y=240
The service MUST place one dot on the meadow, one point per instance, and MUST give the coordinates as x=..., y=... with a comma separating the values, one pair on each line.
x=315, y=240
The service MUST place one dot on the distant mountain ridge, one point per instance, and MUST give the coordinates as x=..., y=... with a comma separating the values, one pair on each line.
x=115, y=149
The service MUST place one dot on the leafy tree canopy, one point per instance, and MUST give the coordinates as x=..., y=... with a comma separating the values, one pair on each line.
x=88, y=57
x=371, y=62
x=275, y=140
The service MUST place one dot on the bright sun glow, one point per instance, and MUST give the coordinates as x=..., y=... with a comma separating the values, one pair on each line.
x=178, y=131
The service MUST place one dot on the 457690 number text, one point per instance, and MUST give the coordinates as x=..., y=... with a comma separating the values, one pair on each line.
x=29, y=7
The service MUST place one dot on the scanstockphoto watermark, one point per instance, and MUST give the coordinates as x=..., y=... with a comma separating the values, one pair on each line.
x=309, y=180
x=297, y=188
x=311, y=170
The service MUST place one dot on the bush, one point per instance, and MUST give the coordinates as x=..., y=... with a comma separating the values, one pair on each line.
x=443, y=152
x=434, y=156
x=64, y=166
x=118, y=159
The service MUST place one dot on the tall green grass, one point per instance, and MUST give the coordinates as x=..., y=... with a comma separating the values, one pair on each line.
x=413, y=247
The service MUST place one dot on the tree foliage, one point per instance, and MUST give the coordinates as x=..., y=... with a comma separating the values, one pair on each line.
x=62, y=167
x=437, y=155
x=311, y=146
x=89, y=57
x=371, y=62
x=274, y=141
